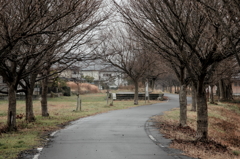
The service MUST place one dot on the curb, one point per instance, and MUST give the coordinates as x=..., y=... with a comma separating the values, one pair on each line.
x=161, y=141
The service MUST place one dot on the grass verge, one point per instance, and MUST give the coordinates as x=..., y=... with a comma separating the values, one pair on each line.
x=224, y=132
x=33, y=135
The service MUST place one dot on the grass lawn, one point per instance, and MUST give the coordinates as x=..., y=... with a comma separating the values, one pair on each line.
x=30, y=135
x=223, y=131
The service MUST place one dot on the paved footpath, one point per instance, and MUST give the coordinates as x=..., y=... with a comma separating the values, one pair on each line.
x=120, y=134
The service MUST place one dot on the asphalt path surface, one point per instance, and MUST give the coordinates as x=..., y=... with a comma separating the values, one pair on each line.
x=120, y=134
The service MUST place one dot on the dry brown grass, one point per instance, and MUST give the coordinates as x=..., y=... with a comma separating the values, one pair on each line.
x=84, y=87
x=129, y=87
x=224, y=133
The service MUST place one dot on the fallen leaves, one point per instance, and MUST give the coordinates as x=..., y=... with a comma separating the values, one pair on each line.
x=224, y=134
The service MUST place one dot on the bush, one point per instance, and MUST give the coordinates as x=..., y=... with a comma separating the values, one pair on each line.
x=66, y=91
x=84, y=88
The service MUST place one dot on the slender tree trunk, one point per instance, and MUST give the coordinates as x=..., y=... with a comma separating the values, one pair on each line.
x=194, y=99
x=44, y=104
x=183, y=105
x=79, y=103
x=222, y=90
x=170, y=88
x=212, y=95
x=11, y=120
x=202, y=113
x=136, y=93
x=153, y=84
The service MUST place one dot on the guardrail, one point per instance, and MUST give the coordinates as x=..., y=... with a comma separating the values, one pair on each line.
x=141, y=96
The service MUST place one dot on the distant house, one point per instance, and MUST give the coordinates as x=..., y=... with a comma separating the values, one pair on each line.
x=3, y=85
x=236, y=85
x=103, y=75
x=71, y=74
x=66, y=74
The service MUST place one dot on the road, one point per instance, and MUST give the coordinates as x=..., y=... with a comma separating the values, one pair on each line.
x=117, y=134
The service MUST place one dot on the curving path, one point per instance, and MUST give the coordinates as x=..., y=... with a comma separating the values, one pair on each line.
x=120, y=134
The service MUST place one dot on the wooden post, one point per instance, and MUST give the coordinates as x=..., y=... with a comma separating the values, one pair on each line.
x=107, y=96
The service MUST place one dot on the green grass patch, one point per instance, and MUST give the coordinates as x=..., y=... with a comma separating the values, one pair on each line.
x=236, y=153
x=12, y=144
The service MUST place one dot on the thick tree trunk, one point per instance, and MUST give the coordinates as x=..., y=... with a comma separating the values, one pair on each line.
x=136, y=93
x=202, y=113
x=11, y=120
x=194, y=99
x=183, y=105
x=44, y=104
x=30, y=83
x=29, y=106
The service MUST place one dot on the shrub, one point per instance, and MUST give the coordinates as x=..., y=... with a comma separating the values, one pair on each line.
x=84, y=87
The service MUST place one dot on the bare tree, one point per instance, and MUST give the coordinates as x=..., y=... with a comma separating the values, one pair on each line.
x=45, y=26
x=226, y=13
x=141, y=17
x=126, y=53
x=190, y=41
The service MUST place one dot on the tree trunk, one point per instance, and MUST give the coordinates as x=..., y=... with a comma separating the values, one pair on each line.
x=211, y=95
x=29, y=106
x=178, y=89
x=225, y=89
x=136, y=93
x=163, y=88
x=183, y=105
x=170, y=88
x=11, y=120
x=44, y=104
x=222, y=90
x=202, y=113
x=229, y=92
x=153, y=84
x=29, y=93
x=194, y=99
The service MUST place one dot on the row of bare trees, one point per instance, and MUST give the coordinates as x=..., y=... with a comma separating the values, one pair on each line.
x=38, y=35
x=125, y=51
x=193, y=37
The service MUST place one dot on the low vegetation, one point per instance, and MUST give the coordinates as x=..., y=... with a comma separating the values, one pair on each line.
x=61, y=110
x=83, y=87
x=224, y=132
